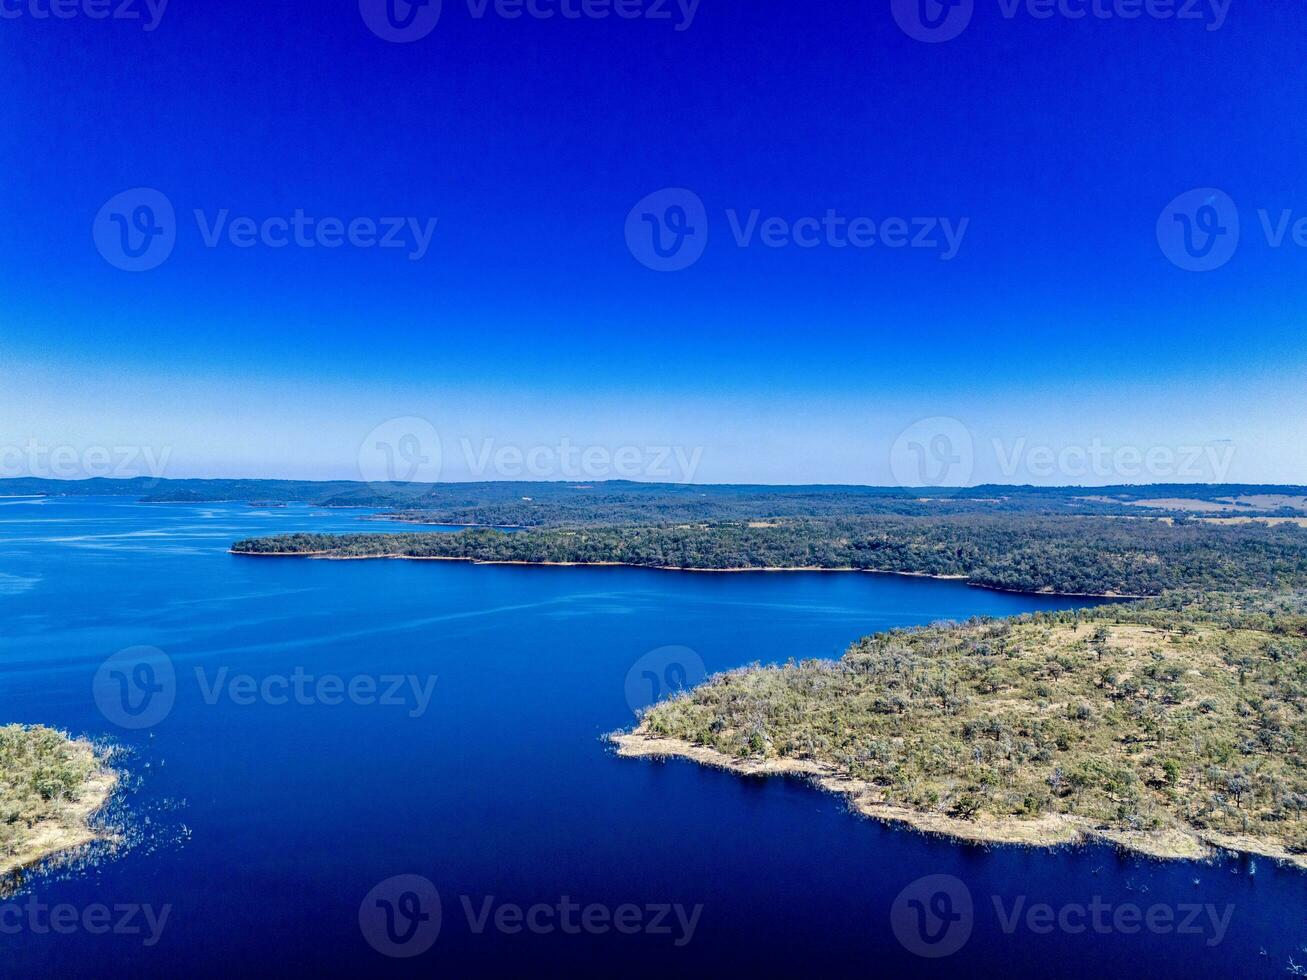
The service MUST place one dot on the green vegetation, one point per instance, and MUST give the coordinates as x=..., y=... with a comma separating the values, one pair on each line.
x=49, y=785
x=1157, y=723
x=1071, y=555
x=1185, y=714
x=620, y=502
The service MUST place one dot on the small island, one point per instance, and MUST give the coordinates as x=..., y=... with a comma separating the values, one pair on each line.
x=51, y=786
x=1167, y=727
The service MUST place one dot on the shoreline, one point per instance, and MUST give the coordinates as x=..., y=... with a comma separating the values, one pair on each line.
x=71, y=828
x=330, y=556
x=1049, y=831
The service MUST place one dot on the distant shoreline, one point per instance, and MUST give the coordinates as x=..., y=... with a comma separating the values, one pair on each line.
x=1049, y=831
x=331, y=556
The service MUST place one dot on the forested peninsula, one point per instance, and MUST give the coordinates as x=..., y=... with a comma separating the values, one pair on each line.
x=1072, y=555
x=1167, y=727
x=1170, y=724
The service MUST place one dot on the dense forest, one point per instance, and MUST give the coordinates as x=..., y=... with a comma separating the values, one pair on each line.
x=1072, y=555
x=1181, y=715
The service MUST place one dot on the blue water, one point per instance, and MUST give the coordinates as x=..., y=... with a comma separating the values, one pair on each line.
x=263, y=826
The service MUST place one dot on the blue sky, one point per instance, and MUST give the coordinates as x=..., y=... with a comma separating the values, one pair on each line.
x=1060, y=322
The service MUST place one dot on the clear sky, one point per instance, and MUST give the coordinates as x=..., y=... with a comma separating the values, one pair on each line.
x=1052, y=147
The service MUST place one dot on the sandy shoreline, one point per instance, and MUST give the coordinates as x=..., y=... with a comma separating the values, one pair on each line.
x=1053, y=830
x=71, y=828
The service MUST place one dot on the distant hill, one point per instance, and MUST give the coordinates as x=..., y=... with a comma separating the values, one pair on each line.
x=534, y=504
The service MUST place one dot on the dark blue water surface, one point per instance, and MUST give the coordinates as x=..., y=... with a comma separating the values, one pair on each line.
x=263, y=826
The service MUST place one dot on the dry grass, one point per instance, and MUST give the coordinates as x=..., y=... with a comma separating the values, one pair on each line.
x=50, y=785
x=1126, y=721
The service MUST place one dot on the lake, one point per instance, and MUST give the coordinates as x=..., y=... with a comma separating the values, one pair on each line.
x=329, y=726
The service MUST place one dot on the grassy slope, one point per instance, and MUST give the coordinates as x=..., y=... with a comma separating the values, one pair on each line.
x=1132, y=718
x=49, y=786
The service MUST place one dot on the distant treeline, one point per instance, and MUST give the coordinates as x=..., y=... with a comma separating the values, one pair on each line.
x=1070, y=555
x=558, y=504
